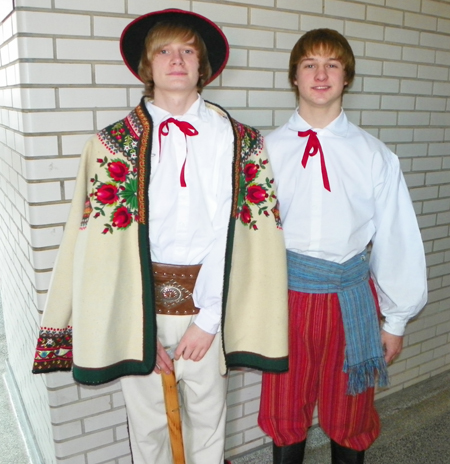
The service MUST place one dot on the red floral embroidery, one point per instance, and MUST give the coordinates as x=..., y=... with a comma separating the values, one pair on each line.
x=256, y=194
x=118, y=171
x=117, y=198
x=246, y=215
x=120, y=193
x=250, y=171
x=255, y=191
x=118, y=133
x=122, y=218
x=107, y=194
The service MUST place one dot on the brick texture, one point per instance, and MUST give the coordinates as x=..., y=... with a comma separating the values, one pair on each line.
x=61, y=79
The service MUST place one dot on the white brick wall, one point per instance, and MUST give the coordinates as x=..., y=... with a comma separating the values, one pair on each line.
x=61, y=79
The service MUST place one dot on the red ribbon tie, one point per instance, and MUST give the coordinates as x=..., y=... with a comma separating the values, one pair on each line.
x=188, y=131
x=312, y=147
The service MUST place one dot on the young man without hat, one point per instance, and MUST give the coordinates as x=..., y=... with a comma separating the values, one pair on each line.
x=172, y=243
x=340, y=191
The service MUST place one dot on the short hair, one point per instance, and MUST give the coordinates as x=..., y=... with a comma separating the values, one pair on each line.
x=319, y=41
x=160, y=35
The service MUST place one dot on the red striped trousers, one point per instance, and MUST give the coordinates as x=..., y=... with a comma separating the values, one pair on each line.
x=315, y=376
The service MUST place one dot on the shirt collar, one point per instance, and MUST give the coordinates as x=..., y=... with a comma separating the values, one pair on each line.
x=197, y=110
x=338, y=126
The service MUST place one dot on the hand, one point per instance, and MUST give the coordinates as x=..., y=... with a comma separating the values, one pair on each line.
x=392, y=345
x=163, y=361
x=194, y=343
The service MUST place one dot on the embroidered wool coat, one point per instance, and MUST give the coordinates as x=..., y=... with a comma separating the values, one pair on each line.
x=100, y=318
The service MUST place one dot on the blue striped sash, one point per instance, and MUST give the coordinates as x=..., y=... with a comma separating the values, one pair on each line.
x=364, y=355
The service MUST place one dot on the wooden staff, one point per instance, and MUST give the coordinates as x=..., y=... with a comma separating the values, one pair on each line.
x=172, y=403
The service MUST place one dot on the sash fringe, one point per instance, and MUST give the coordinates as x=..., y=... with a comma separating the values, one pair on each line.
x=364, y=375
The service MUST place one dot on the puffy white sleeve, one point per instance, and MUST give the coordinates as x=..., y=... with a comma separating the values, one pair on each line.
x=207, y=293
x=398, y=264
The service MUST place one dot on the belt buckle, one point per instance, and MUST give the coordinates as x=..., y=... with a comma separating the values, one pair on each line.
x=171, y=293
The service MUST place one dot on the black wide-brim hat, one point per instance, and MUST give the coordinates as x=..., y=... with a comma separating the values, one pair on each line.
x=132, y=40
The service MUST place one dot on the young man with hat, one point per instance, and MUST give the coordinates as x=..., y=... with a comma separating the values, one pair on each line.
x=340, y=190
x=173, y=244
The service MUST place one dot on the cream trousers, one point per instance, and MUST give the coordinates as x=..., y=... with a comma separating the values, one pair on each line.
x=202, y=393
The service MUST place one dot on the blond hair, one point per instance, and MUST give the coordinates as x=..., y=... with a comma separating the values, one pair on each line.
x=166, y=32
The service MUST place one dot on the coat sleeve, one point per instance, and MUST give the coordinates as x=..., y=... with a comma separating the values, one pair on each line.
x=54, y=345
x=255, y=328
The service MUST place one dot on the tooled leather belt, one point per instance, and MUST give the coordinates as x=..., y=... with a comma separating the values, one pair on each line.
x=174, y=285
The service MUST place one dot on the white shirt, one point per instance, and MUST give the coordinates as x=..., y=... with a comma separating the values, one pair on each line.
x=188, y=225
x=368, y=202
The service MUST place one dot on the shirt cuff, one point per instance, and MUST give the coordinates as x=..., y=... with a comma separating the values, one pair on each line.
x=208, y=319
x=394, y=326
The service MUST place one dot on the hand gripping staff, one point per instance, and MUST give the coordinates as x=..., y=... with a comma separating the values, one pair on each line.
x=172, y=404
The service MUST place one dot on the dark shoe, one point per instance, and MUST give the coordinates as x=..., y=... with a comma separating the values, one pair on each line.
x=342, y=455
x=291, y=454
x=227, y=461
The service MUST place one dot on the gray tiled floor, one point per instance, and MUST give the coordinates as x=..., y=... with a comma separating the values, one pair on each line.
x=415, y=429
x=12, y=445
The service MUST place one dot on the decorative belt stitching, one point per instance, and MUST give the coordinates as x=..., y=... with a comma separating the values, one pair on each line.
x=174, y=285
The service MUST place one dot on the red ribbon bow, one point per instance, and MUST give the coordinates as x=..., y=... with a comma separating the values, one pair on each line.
x=187, y=129
x=312, y=147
